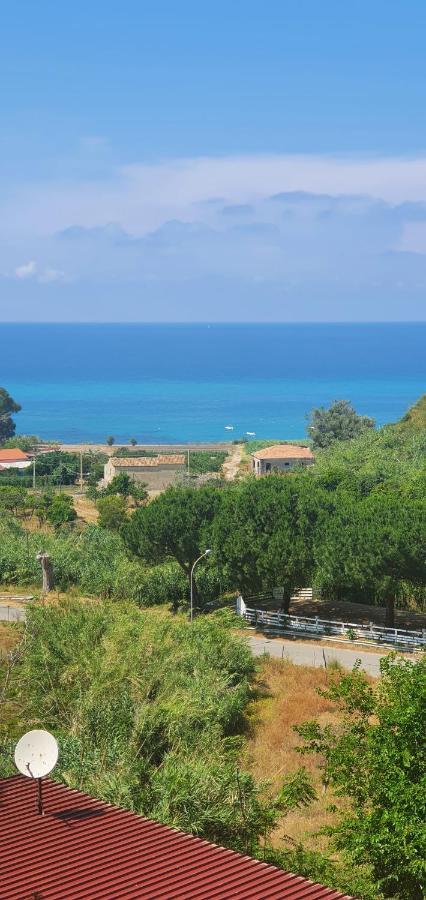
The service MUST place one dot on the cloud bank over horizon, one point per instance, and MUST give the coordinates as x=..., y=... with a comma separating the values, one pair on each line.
x=238, y=238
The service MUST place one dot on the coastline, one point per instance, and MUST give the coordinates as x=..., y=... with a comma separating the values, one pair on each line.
x=87, y=447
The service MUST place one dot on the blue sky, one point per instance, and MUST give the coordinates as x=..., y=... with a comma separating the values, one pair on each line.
x=202, y=161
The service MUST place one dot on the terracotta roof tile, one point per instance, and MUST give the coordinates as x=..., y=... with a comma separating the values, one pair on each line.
x=284, y=451
x=132, y=462
x=13, y=455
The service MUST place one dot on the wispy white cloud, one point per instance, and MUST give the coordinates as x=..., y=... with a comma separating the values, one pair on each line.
x=44, y=275
x=26, y=270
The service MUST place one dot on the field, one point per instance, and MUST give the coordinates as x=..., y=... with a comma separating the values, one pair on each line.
x=9, y=635
x=287, y=696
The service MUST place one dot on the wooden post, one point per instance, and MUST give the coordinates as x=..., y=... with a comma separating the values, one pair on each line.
x=47, y=571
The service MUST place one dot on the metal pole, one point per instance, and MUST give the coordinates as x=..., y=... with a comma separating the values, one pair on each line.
x=191, y=608
x=40, y=809
x=34, y=481
x=81, y=470
x=188, y=462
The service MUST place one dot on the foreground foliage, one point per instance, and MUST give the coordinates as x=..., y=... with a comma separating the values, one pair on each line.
x=149, y=713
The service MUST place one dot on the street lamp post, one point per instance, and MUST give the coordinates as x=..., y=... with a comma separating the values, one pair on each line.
x=191, y=612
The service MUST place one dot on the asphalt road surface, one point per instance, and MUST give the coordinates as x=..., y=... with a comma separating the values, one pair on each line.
x=305, y=654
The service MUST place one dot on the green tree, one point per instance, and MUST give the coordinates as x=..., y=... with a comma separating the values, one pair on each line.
x=368, y=547
x=110, y=440
x=339, y=422
x=262, y=535
x=61, y=510
x=126, y=486
x=174, y=525
x=112, y=512
x=13, y=499
x=7, y=406
x=40, y=505
x=26, y=442
x=133, y=442
x=375, y=758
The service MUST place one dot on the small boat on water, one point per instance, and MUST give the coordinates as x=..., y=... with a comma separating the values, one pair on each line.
x=229, y=427
x=251, y=433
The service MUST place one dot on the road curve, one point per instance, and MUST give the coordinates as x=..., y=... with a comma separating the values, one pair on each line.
x=305, y=654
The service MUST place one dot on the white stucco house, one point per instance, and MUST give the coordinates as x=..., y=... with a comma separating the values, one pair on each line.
x=280, y=458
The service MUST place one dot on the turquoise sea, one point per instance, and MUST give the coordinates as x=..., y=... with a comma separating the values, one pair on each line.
x=179, y=382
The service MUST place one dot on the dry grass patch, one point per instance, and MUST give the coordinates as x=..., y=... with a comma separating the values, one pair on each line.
x=86, y=509
x=9, y=636
x=288, y=696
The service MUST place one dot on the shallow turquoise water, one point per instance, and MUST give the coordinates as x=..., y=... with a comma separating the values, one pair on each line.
x=172, y=383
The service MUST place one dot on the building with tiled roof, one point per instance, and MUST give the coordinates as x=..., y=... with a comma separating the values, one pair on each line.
x=84, y=849
x=280, y=457
x=14, y=458
x=156, y=471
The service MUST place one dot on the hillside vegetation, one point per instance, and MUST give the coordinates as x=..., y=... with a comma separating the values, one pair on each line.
x=150, y=714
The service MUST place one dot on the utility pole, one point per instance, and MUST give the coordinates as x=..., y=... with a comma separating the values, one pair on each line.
x=81, y=470
x=34, y=479
x=188, y=462
x=191, y=606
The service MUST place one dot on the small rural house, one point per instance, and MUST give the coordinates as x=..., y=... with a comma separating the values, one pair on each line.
x=14, y=459
x=157, y=472
x=280, y=458
x=85, y=849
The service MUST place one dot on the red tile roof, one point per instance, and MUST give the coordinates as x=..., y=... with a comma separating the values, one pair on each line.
x=132, y=462
x=13, y=455
x=284, y=451
x=84, y=849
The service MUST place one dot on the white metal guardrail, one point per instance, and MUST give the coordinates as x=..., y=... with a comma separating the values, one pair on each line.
x=316, y=626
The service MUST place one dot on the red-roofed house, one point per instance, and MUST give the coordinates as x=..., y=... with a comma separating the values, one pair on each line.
x=281, y=458
x=14, y=459
x=84, y=849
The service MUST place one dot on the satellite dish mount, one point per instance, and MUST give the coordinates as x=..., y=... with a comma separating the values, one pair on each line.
x=36, y=754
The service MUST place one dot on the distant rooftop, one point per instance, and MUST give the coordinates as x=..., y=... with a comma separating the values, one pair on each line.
x=126, y=462
x=284, y=451
x=84, y=849
x=13, y=455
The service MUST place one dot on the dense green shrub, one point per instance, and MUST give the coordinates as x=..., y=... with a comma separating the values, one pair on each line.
x=149, y=712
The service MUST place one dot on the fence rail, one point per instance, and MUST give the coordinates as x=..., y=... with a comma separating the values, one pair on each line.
x=316, y=626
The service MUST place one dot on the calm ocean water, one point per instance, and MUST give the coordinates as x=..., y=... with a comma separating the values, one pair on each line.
x=173, y=383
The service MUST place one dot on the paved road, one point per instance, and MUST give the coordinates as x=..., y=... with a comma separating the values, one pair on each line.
x=11, y=614
x=305, y=654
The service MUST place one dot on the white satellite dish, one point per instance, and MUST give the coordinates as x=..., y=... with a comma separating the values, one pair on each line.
x=36, y=753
